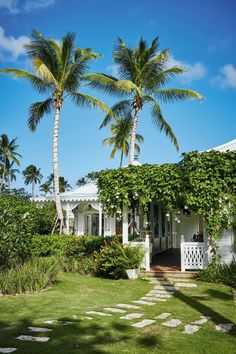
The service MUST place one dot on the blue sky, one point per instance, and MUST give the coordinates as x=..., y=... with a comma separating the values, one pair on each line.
x=200, y=35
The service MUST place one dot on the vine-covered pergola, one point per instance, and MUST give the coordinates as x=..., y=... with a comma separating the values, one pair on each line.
x=204, y=182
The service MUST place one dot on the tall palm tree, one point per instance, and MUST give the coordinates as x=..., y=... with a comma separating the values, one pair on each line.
x=142, y=72
x=58, y=71
x=32, y=176
x=45, y=188
x=121, y=131
x=8, y=154
x=64, y=185
x=11, y=173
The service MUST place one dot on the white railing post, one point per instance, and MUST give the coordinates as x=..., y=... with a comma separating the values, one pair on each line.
x=147, y=253
x=182, y=253
x=125, y=226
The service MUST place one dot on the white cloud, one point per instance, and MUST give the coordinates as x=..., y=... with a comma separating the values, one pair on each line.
x=220, y=44
x=194, y=71
x=15, y=6
x=226, y=78
x=10, y=47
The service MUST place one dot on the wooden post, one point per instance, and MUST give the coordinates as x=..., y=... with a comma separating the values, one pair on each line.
x=125, y=226
x=182, y=253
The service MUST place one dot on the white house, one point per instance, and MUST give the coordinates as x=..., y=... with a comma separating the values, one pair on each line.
x=179, y=237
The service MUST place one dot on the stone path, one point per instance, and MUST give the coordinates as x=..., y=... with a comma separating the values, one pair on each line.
x=127, y=306
x=143, y=323
x=224, y=327
x=39, y=329
x=172, y=323
x=132, y=316
x=111, y=309
x=163, y=315
x=98, y=313
x=190, y=329
x=143, y=302
x=7, y=350
x=33, y=339
x=203, y=319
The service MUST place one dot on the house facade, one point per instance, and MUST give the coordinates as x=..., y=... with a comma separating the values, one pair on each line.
x=181, y=233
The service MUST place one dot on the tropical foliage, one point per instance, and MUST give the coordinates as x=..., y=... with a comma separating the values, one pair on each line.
x=121, y=131
x=32, y=176
x=204, y=182
x=58, y=70
x=142, y=72
x=8, y=157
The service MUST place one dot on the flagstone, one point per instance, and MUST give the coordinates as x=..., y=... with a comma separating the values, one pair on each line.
x=131, y=316
x=143, y=302
x=166, y=296
x=86, y=318
x=152, y=298
x=33, y=339
x=203, y=319
x=128, y=306
x=159, y=287
x=224, y=327
x=163, y=315
x=186, y=285
x=143, y=323
x=39, y=329
x=50, y=321
x=111, y=309
x=7, y=350
x=161, y=292
x=98, y=313
x=190, y=329
x=172, y=323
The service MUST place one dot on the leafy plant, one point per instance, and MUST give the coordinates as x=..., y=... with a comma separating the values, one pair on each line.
x=217, y=272
x=133, y=256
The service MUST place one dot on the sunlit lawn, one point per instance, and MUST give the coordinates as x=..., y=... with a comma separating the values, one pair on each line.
x=74, y=295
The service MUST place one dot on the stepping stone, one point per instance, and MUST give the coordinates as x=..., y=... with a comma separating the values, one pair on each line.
x=203, y=319
x=164, y=296
x=186, y=285
x=224, y=327
x=39, y=329
x=161, y=292
x=190, y=329
x=143, y=323
x=143, y=302
x=131, y=316
x=7, y=350
x=33, y=339
x=67, y=322
x=127, y=306
x=50, y=321
x=111, y=309
x=153, y=299
x=98, y=313
x=172, y=323
x=159, y=287
x=163, y=315
x=86, y=318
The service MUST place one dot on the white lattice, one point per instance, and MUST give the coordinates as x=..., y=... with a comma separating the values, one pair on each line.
x=192, y=255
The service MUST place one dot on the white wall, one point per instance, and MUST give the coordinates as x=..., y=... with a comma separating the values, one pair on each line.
x=226, y=246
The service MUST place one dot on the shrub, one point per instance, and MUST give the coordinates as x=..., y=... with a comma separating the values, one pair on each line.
x=217, y=272
x=114, y=258
x=66, y=245
x=83, y=265
x=31, y=276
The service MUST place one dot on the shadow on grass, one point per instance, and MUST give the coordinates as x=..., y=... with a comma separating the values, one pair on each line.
x=81, y=336
x=205, y=310
x=219, y=294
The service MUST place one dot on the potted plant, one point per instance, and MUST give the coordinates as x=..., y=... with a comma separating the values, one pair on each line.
x=133, y=257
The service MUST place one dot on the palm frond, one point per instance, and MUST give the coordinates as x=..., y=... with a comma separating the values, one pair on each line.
x=171, y=95
x=120, y=109
x=43, y=71
x=37, y=111
x=123, y=57
x=103, y=82
x=84, y=100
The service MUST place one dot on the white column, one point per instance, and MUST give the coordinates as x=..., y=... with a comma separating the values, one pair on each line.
x=125, y=226
x=182, y=253
x=113, y=224
x=100, y=222
x=147, y=253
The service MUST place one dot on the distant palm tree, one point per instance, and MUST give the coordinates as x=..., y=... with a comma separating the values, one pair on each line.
x=59, y=69
x=8, y=154
x=45, y=188
x=142, y=73
x=32, y=176
x=121, y=131
x=63, y=185
x=11, y=173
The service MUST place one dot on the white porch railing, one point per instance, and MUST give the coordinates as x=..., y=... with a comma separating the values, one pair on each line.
x=193, y=255
x=148, y=249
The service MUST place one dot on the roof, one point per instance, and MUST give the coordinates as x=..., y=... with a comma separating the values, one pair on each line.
x=88, y=192
x=230, y=146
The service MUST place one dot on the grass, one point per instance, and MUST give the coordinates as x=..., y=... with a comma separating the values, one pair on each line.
x=74, y=295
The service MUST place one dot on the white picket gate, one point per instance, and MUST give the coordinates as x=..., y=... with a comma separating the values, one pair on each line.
x=193, y=255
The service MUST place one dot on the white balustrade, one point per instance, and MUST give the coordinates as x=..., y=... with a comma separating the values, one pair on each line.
x=193, y=255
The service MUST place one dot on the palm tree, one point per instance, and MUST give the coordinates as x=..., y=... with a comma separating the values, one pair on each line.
x=11, y=173
x=45, y=188
x=32, y=176
x=58, y=71
x=142, y=73
x=8, y=154
x=63, y=185
x=121, y=131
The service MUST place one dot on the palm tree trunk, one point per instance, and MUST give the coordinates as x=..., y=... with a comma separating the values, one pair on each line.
x=55, y=169
x=133, y=136
x=33, y=189
x=121, y=158
x=3, y=175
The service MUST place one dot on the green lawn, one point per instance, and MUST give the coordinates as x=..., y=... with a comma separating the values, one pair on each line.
x=74, y=295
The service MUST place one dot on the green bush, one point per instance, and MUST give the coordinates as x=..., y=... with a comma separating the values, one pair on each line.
x=67, y=245
x=85, y=265
x=114, y=258
x=31, y=276
x=217, y=272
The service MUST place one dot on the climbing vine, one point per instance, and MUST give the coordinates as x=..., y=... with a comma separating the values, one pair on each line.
x=205, y=183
